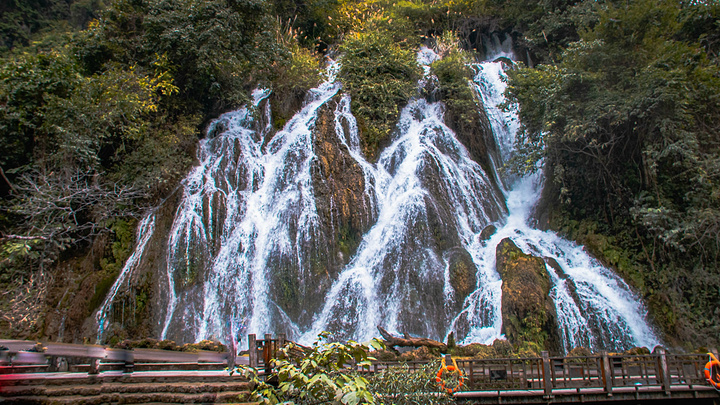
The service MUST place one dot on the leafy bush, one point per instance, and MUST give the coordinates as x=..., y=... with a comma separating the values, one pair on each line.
x=399, y=385
x=326, y=373
x=381, y=77
x=292, y=81
x=454, y=89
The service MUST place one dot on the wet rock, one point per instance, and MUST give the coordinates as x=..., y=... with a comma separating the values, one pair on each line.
x=488, y=232
x=344, y=216
x=556, y=266
x=463, y=277
x=528, y=312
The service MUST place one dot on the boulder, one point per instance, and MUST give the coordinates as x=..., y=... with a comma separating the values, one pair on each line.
x=488, y=232
x=528, y=312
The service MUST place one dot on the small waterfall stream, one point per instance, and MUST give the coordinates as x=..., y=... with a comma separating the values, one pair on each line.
x=250, y=209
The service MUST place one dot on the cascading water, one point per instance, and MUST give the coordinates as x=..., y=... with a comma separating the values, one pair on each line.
x=249, y=249
x=145, y=231
x=594, y=307
x=369, y=292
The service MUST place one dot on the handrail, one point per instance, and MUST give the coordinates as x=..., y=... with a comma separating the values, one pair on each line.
x=23, y=353
x=603, y=371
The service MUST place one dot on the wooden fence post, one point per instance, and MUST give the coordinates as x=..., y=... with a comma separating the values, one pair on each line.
x=280, y=341
x=471, y=380
x=129, y=360
x=231, y=358
x=663, y=370
x=547, y=376
x=252, y=351
x=129, y=367
x=606, y=374
x=267, y=352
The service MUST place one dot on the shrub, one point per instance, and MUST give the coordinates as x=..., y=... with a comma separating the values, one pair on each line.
x=322, y=375
x=380, y=77
x=399, y=385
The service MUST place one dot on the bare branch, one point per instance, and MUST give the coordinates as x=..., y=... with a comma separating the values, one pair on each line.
x=63, y=208
x=21, y=237
x=12, y=188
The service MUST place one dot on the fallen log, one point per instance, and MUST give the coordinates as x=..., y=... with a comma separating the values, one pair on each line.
x=407, y=341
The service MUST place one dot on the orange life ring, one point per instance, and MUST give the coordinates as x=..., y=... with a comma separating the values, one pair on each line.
x=439, y=380
x=713, y=379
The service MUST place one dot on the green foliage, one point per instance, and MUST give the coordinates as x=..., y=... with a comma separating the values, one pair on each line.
x=117, y=109
x=62, y=131
x=156, y=163
x=291, y=81
x=21, y=20
x=454, y=88
x=399, y=385
x=26, y=82
x=381, y=77
x=121, y=248
x=214, y=48
x=320, y=376
x=453, y=74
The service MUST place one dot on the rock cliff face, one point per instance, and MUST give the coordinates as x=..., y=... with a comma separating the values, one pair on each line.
x=528, y=311
x=344, y=215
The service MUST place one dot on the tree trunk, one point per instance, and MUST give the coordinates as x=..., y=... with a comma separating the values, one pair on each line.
x=392, y=341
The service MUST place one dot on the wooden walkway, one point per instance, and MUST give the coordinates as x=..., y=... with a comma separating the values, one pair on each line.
x=603, y=378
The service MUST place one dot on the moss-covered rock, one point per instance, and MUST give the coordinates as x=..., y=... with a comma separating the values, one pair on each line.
x=344, y=215
x=499, y=349
x=528, y=312
x=463, y=277
x=420, y=354
x=339, y=188
x=488, y=232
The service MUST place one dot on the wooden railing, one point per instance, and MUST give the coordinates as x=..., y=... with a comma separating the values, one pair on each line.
x=601, y=371
x=264, y=350
x=597, y=376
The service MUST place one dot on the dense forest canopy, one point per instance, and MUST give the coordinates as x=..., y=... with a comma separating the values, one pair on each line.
x=102, y=104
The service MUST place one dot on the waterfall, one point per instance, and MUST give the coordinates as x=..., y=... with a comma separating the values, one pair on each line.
x=595, y=307
x=145, y=230
x=250, y=249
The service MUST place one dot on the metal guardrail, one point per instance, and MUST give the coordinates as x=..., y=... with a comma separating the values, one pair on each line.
x=23, y=356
